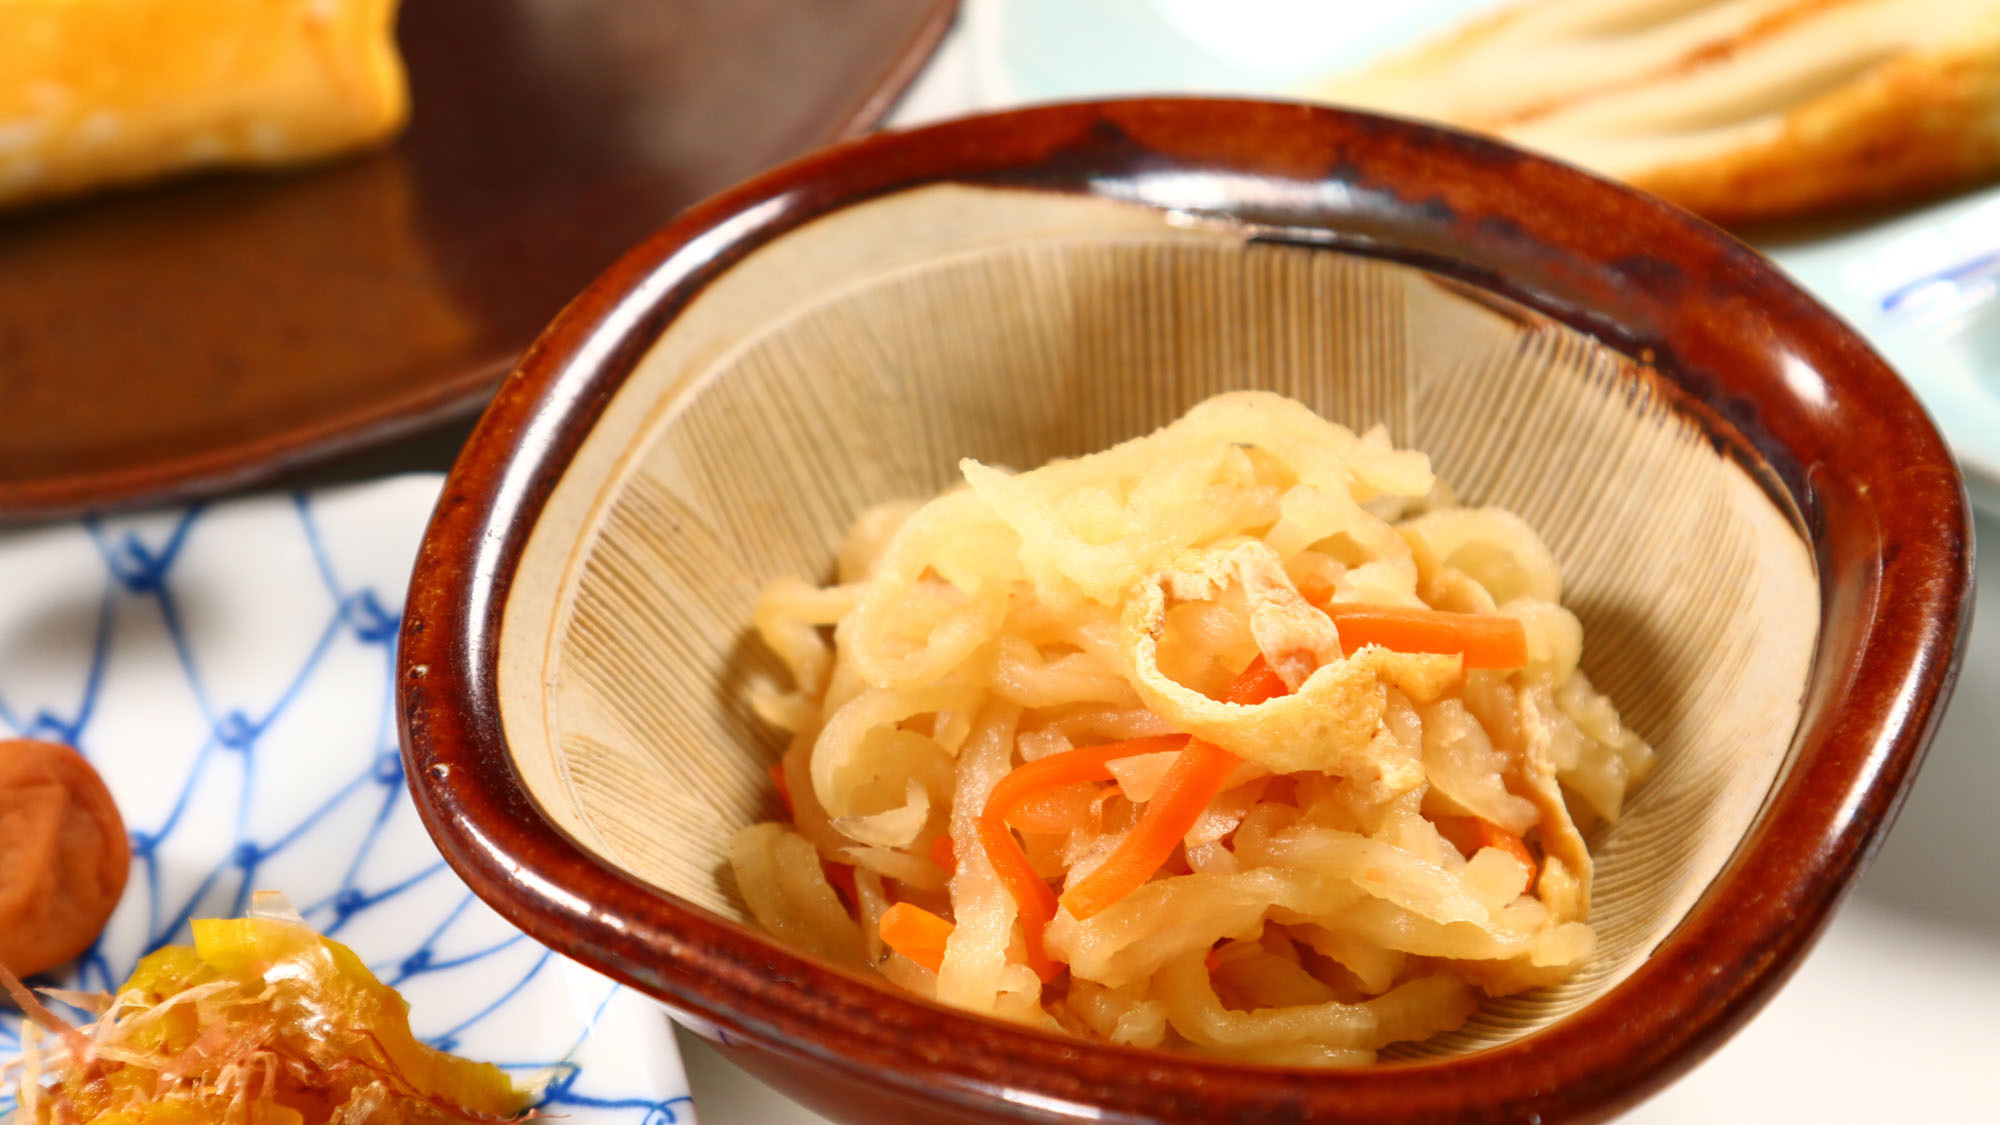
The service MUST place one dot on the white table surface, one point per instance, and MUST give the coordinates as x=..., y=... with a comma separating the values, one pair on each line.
x=1895, y=1016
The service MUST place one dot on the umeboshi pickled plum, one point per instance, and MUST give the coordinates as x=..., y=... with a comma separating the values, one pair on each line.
x=63, y=855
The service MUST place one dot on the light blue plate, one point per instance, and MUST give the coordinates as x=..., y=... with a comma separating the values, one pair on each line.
x=1921, y=287
x=230, y=672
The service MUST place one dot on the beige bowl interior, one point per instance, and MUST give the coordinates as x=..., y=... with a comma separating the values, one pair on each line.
x=857, y=358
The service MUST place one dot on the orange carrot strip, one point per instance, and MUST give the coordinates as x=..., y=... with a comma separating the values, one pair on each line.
x=784, y=790
x=915, y=933
x=1190, y=784
x=944, y=855
x=1459, y=831
x=1089, y=763
x=1194, y=780
x=1470, y=833
x=1033, y=899
x=1485, y=640
x=1316, y=590
x=1492, y=835
x=841, y=875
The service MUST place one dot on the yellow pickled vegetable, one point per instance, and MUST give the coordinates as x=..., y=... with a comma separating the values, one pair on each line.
x=261, y=1022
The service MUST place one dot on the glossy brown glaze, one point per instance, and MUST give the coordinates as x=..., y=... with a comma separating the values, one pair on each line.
x=196, y=335
x=1778, y=382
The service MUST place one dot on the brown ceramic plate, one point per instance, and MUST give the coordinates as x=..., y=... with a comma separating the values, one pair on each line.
x=1765, y=539
x=201, y=334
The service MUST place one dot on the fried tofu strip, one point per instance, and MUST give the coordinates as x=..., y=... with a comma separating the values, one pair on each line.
x=1742, y=110
x=103, y=92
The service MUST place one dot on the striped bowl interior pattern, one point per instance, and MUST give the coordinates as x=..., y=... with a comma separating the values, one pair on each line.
x=856, y=358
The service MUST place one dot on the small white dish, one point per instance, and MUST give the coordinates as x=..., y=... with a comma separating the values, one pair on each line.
x=228, y=669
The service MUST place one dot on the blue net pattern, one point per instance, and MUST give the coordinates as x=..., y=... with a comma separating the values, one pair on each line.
x=232, y=676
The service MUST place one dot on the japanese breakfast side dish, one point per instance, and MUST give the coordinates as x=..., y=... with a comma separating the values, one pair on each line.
x=1240, y=736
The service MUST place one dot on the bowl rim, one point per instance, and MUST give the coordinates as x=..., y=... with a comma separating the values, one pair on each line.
x=1826, y=425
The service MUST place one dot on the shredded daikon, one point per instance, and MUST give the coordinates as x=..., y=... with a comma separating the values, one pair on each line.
x=1387, y=831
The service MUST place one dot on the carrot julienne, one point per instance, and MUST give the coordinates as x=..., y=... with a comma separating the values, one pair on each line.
x=1033, y=899
x=1194, y=780
x=777, y=771
x=841, y=875
x=915, y=933
x=944, y=855
x=1471, y=833
x=1484, y=640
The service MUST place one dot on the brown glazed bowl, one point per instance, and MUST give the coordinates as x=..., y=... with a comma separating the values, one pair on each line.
x=1764, y=536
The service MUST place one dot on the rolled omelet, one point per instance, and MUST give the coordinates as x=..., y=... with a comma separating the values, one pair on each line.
x=102, y=92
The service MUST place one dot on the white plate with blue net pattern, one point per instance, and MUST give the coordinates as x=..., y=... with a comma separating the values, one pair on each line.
x=229, y=670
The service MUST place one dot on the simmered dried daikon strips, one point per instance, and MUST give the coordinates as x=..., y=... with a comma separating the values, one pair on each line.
x=921, y=611
x=871, y=902
x=789, y=619
x=1197, y=502
x=1376, y=868
x=1522, y=932
x=1178, y=915
x=795, y=796
x=1555, y=637
x=911, y=872
x=1025, y=675
x=1120, y=1015
x=1172, y=918
x=1095, y=723
x=1211, y=859
x=1269, y=973
x=1376, y=565
x=1414, y=1010
x=779, y=876
x=789, y=612
x=1225, y=814
x=863, y=547
x=980, y=971
x=1608, y=759
x=899, y=825
x=1392, y=817
x=848, y=758
x=1319, y=453
x=1496, y=878
x=1299, y=1054
x=1463, y=765
x=1493, y=547
x=1374, y=968
x=788, y=711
